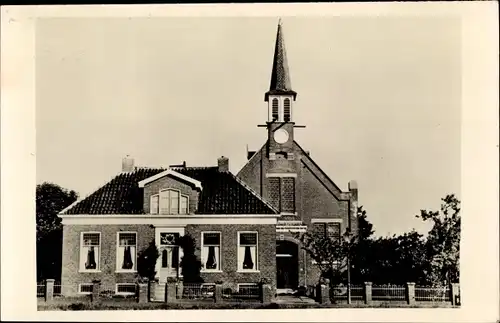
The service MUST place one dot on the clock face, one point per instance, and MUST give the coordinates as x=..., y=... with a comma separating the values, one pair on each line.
x=281, y=136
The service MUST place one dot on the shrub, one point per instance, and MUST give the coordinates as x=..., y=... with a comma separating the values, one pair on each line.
x=146, y=262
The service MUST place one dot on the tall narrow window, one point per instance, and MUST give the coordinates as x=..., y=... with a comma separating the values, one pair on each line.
x=288, y=195
x=247, y=251
x=90, y=252
x=126, y=251
x=275, y=112
x=184, y=205
x=210, y=251
x=174, y=202
x=154, y=204
x=165, y=202
x=286, y=110
x=274, y=191
x=169, y=252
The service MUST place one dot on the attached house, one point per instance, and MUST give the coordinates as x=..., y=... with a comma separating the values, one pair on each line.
x=244, y=225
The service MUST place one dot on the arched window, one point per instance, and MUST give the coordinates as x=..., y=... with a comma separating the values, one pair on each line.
x=275, y=112
x=171, y=202
x=286, y=110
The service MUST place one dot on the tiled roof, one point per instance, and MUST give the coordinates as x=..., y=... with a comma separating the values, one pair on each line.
x=280, y=75
x=222, y=194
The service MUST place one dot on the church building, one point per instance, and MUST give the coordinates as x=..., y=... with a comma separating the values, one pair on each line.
x=244, y=225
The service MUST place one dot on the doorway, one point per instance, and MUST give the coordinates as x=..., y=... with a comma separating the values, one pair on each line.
x=287, y=265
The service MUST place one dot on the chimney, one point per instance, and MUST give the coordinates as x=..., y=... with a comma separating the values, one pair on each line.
x=223, y=164
x=127, y=164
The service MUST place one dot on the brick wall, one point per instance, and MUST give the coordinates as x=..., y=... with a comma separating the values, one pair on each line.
x=71, y=275
x=229, y=245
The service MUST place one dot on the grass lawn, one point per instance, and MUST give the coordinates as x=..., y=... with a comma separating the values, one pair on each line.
x=113, y=304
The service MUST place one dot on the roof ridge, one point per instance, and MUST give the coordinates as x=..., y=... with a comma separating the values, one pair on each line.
x=251, y=190
x=173, y=168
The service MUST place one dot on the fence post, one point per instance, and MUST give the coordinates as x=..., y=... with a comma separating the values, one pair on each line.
x=323, y=292
x=49, y=290
x=96, y=284
x=143, y=292
x=152, y=289
x=218, y=293
x=170, y=292
x=265, y=293
x=410, y=293
x=368, y=292
x=455, y=294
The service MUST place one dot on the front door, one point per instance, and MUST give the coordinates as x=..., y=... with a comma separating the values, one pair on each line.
x=287, y=265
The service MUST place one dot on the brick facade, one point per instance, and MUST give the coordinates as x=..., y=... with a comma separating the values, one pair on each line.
x=316, y=196
x=229, y=268
x=71, y=275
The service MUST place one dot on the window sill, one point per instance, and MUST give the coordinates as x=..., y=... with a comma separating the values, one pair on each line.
x=125, y=271
x=211, y=271
x=89, y=271
x=247, y=271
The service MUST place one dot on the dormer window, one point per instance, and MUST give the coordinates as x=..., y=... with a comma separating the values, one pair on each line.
x=169, y=201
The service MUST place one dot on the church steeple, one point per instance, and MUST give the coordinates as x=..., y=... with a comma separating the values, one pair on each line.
x=280, y=75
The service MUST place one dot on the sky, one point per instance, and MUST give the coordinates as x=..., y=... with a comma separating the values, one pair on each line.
x=380, y=98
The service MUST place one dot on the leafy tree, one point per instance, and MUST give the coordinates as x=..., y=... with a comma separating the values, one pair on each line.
x=329, y=252
x=190, y=264
x=50, y=200
x=443, y=242
x=146, y=261
x=361, y=251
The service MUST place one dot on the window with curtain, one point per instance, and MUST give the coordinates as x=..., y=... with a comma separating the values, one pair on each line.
x=126, y=251
x=169, y=252
x=275, y=109
x=155, y=201
x=210, y=251
x=247, y=251
x=90, y=251
x=286, y=110
x=172, y=202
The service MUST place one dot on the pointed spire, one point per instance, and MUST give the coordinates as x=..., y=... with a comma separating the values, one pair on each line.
x=280, y=76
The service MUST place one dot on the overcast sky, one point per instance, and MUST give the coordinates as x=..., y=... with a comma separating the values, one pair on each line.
x=380, y=98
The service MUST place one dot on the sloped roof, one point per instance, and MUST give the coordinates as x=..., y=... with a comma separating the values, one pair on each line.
x=222, y=194
x=280, y=75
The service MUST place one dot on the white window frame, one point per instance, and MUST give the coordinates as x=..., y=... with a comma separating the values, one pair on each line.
x=219, y=265
x=83, y=269
x=80, y=288
x=157, y=211
x=118, y=266
x=170, y=204
x=123, y=293
x=256, y=260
